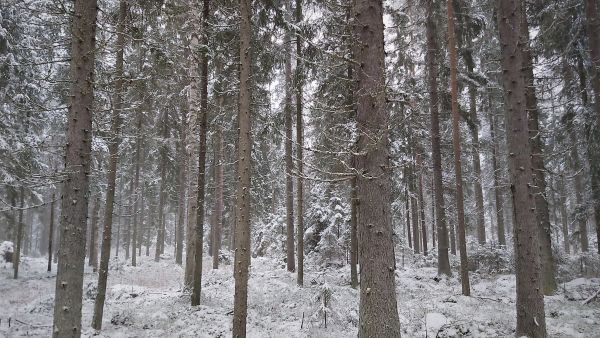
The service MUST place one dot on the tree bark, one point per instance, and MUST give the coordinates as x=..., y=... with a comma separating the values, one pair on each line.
x=422, y=206
x=289, y=179
x=531, y=320
x=243, y=199
x=182, y=179
x=299, y=149
x=460, y=209
x=497, y=188
x=436, y=153
x=19, y=238
x=113, y=151
x=218, y=210
x=71, y=261
x=202, y=120
x=378, y=309
x=51, y=231
x=136, y=183
x=93, y=252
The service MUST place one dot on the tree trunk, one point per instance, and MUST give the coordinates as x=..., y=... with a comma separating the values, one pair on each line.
x=436, y=153
x=113, y=152
x=414, y=208
x=51, y=231
x=531, y=320
x=202, y=120
x=497, y=188
x=182, y=179
x=289, y=179
x=299, y=149
x=460, y=209
x=19, y=238
x=378, y=308
x=422, y=206
x=407, y=198
x=71, y=261
x=93, y=253
x=136, y=183
x=242, y=234
x=353, y=235
x=218, y=210
x=160, y=233
x=592, y=26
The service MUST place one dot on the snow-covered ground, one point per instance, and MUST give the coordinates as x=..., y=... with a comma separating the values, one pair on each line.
x=148, y=301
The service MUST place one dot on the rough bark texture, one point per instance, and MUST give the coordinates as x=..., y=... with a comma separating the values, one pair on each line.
x=531, y=320
x=242, y=227
x=436, y=154
x=71, y=261
x=202, y=123
x=460, y=209
x=378, y=309
x=537, y=162
x=289, y=179
x=299, y=150
x=113, y=152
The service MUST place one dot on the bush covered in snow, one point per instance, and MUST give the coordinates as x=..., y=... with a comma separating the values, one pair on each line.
x=6, y=251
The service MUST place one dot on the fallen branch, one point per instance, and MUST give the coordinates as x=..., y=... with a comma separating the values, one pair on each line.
x=591, y=298
x=32, y=325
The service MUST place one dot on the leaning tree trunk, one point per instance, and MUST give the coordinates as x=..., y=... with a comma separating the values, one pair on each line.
x=242, y=235
x=113, y=152
x=202, y=123
x=531, y=321
x=460, y=209
x=93, y=252
x=71, y=261
x=436, y=153
x=378, y=308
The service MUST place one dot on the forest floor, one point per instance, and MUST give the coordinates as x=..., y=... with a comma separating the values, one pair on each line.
x=148, y=301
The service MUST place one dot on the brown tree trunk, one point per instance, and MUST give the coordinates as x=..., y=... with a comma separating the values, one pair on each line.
x=353, y=235
x=460, y=209
x=202, y=123
x=93, y=252
x=436, y=153
x=289, y=179
x=378, y=309
x=71, y=261
x=531, y=320
x=537, y=162
x=242, y=227
x=299, y=150
x=113, y=152
x=218, y=210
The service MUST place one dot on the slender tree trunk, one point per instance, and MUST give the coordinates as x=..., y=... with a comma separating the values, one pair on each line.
x=422, y=206
x=289, y=179
x=218, y=211
x=460, y=209
x=436, y=153
x=563, y=214
x=531, y=321
x=242, y=241
x=407, y=198
x=183, y=165
x=202, y=120
x=497, y=188
x=433, y=225
x=378, y=309
x=160, y=233
x=299, y=149
x=93, y=253
x=592, y=26
x=120, y=218
x=51, y=232
x=353, y=235
x=113, y=152
x=136, y=184
x=19, y=239
x=71, y=261
x=414, y=208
